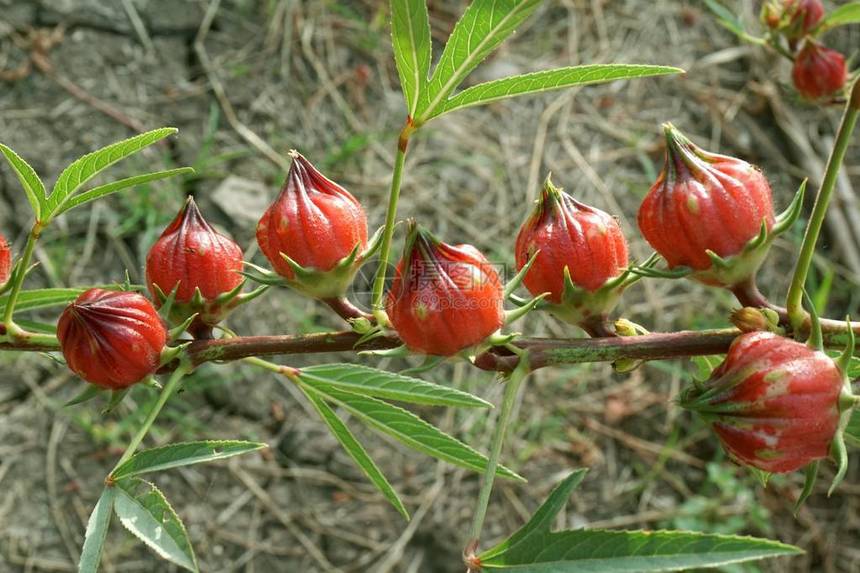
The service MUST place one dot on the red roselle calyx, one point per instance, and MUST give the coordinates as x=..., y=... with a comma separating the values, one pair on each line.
x=792, y=18
x=5, y=261
x=775, y=404
x=315, y=233
x=580, y=256
x=444, y=298
x=711, y=213
x=201, y=264
x=111, y=339
x=818, y=71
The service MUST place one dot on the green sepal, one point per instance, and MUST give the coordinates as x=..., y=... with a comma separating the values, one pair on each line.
x=816, y=338
x=844, y=359
x=761, y=476
x=521, y=311
x=429, y=363
x=399, y=352
x=811, y=472
x=515, y=282
x=199, y=311
x=174, y=333
x=116, y=396
x=88, y=393
x=171, y=353
x=624, y=327
x=579, y=305
x=840, y=456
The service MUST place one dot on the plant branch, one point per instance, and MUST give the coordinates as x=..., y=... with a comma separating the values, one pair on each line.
x=11, y=329
x=796, y=314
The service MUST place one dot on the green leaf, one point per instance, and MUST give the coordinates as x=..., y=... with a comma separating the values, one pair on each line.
x=845, y=14
x=42, y=298
x=182, y=454
x=730, y=21
x=355, y=450
x=594, y=550
x=547, y=80
x=382, y=384
x=484, y=25
x=91, y=164
x=109, y=188
x=89, y=392
x=852, y=431
x=535, y=549
x=541, y=521
x=33, y=186
x=410, y=430
x=410, y=38
x=97, y=528
x=150, y=518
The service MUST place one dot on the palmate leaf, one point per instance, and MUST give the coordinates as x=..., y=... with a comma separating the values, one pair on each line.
x=146, y=513
x=535, y=549
x=97, y=528
x=355, y=450
x=182, y=454
x=410, y=38
x=409, y=429
x=82, y=170
x=367, y=381
x=548, y=80
x=484, y=25
x=33, y=186
x=845, y=14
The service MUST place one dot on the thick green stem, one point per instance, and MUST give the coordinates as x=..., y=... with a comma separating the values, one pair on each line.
x=512, y=390
x=18, y=283
x=390, y=220
x=794, y=302
x=166, y=392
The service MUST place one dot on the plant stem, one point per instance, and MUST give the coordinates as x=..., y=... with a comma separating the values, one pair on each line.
x=166, y=392
x=794, y=302
x=23, y=265
x=390, y=220
x=512, y=390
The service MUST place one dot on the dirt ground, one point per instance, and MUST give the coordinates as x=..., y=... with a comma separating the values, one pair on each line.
x=245, y=81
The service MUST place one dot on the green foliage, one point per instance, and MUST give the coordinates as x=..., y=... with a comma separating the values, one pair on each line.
x=846, y=14
x=535, y=549
x=145, y=512
x=410, y=38
x=182, y=454
x=97, y=528
x=33, y=186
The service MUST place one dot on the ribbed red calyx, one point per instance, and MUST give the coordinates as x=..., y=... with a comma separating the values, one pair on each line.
x=192, y=255
x=773, y=402
x=818, y=71
x=802, y=16
x=703, y=202
x=444, y=298
x=314, y=221
x=569, y=234
x=111, y=339
x=5, y=261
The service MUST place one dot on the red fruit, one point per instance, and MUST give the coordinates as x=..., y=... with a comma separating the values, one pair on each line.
x=5, y=261
x=773, y=402
x=111, y=339
x=803, y=16
x=191, y=255
x=704, y=202
x=444, y=297
x=818, y=71
x=314, y=221
x=571, y=235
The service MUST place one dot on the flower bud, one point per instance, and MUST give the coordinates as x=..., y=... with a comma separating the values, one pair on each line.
x=567, y=234
x=313, y=231
x=749, y=319
x=773, y=402
x=705, y=207
x=200, y=263
x=5, y=261
x=444, y=298
x=803, y=16
x=111, y=339
x=818, y=72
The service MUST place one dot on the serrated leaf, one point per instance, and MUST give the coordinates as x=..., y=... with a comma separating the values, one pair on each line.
x=115, y=186
x=410, y=38
x=42, y=298
x=355, y=450
x=182, y=454
x=845, y=14
x=548, y=80
x=410, y=430
x=601, y=551
x=146, y=513
x=97, y=528
x=542, y=519
x=367, y=381
x=484, y=25
x=82, y=170
x=33, y=186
